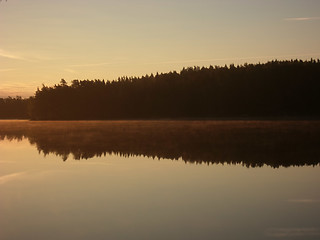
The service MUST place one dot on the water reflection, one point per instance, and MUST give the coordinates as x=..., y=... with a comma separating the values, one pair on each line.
x=251, y=143
x=293, y=232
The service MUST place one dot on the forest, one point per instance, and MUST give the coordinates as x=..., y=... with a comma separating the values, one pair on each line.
x=276, y=89
x=14, y=108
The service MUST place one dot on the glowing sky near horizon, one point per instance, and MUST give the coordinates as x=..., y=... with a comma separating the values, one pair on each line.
x=42, y=41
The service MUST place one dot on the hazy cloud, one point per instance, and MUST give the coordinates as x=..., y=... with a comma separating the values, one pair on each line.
x=233, y=59
x=90, y=64
x=9, y=55
x=25, y=56
x=25, y=89
x=70, y=70
x=7, y=69
x=302, y=19
x=192, y=61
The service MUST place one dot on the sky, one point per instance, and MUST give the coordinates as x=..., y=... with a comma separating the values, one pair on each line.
x=43, y=41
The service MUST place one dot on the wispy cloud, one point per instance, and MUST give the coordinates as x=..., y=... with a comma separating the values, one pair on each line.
x=302, y=19
x=70, y=70
x=7, y=69
x=15, y=85
x=91, y=64
x=9, y=177
x=10, y=55
x=293, y=232
x=23, y=89
x=25, y=56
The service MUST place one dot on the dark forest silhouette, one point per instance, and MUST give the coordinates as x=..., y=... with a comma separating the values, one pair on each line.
x=14, y=108
x=250, y=143
x=274, y=89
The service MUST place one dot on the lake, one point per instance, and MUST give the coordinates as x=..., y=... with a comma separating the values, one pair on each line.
x=159, y=180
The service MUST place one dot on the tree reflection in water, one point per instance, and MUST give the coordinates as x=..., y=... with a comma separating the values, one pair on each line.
x=251, y=143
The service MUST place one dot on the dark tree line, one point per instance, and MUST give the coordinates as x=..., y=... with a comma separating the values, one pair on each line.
x=275, y=89
x=14, y=108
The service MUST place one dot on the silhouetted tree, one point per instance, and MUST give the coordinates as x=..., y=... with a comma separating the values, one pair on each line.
x=14, y=108
x=274, y=89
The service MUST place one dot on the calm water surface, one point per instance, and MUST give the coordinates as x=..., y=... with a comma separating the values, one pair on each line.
x=136, y=197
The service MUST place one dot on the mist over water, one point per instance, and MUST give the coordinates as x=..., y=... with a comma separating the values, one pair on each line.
x=252, y=180
x=251, y=143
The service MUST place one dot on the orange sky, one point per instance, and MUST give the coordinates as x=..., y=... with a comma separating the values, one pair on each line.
x=43, y=41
